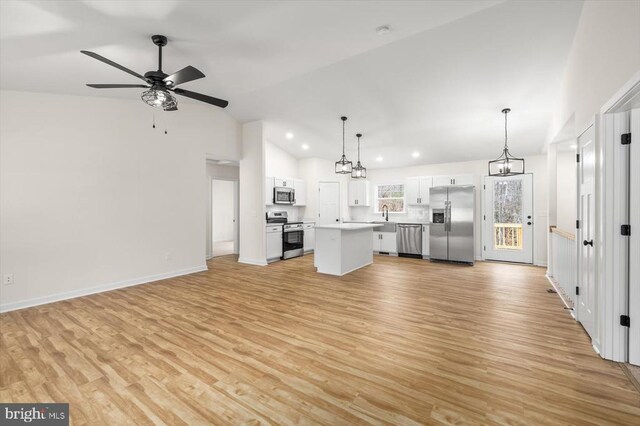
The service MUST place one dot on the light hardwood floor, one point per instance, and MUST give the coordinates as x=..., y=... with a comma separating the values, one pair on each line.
x=402, y=341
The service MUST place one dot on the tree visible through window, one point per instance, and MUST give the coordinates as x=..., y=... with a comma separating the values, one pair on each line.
x=392, y=196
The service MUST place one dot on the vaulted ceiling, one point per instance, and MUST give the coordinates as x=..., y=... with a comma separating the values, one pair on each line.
x=434, y=84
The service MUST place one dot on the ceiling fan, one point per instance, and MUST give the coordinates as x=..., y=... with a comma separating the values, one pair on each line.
x=159, y=84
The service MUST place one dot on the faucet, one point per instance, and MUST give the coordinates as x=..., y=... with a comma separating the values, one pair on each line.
x=385, y=208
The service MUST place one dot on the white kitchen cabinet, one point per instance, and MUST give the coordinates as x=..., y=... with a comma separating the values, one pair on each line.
x=309, y=237
x=300, y=187
x=385, y=242
x=416, y=190
x=283, y=182
x=358, y=193
x=453, y=180
x=425, y=240
x=268, y=190
x=274, y=242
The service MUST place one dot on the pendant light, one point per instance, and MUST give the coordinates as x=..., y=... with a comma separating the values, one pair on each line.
x=343, y=166
x=359, y=171
x=506, y=164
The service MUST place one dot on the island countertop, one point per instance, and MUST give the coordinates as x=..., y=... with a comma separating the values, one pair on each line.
x=349, y=226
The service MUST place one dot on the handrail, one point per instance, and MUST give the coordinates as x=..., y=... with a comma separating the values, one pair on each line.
x=569, y=235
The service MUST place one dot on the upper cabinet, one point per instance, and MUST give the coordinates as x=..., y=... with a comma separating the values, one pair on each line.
x=359, y=193
x=268, y=190
x=300, y=187
x=416, y=190
x=453, y=180
x=283, y=182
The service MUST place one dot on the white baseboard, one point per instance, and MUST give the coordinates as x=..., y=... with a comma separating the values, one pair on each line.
x=252, y=261
x=36, y=301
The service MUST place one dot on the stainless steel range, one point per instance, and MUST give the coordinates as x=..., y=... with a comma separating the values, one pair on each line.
x=292, y=234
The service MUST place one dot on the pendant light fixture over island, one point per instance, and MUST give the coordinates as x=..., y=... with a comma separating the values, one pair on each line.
x=506, y=164
x=359, y=171
x=343, y=166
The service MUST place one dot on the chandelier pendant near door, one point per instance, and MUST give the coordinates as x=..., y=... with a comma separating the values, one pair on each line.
x=506, y=164
x=343, y=166
x=359, y=171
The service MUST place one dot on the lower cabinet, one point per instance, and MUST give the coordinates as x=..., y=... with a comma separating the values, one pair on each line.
x=309, y=237
x=385, y=242
x=274, y=242
x=425, y=240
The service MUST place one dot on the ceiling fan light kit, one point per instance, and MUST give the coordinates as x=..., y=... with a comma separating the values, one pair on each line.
x=506, y=164
x=158, y=84
x=343, y=166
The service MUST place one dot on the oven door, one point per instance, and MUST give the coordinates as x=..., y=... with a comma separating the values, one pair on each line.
x=293, y=243
x=283, y=196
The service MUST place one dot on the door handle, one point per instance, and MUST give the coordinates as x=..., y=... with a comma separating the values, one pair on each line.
x=588, y=243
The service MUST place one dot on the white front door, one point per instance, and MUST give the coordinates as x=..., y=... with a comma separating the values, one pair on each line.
x=586, y=215
x=328, y=203
x=508, y=218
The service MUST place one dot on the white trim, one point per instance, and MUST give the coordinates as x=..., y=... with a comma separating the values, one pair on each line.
x=36, y=301
x=252, y=261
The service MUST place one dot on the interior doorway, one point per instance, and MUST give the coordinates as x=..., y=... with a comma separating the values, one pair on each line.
x=328, y=203
x=224, y=220
x=508, y=218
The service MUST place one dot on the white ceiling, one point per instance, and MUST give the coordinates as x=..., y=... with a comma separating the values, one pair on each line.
x=435, y=84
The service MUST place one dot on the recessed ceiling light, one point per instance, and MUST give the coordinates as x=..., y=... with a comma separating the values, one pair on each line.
x=415, y=154
x=379, y=158
x=383, y=29
x=573, y=146
x=289, y=135
x=305, y=146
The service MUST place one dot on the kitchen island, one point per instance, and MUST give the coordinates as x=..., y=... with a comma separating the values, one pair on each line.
x=343, y=247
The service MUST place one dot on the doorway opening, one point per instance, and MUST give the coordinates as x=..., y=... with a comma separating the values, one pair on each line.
x=223, y=208
x=508, y=218
x=223, y=217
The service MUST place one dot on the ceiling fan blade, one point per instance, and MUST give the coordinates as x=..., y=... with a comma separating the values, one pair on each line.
x=185, y=75
x=113, y=64
x=117, y=86
x=203, y=98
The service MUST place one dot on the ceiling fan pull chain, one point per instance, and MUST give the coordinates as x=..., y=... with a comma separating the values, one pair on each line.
x=154, y=120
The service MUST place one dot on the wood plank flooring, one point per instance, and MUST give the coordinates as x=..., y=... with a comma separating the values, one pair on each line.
x=402, y=341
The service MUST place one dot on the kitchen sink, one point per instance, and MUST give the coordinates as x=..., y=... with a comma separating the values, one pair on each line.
x=386, y=226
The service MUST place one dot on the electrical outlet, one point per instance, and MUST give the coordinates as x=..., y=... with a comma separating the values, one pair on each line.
x=7, y=279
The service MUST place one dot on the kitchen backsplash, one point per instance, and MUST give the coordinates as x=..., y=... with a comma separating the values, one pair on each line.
x=418, y=213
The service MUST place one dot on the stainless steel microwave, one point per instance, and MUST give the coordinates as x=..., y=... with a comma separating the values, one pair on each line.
x=284, y=195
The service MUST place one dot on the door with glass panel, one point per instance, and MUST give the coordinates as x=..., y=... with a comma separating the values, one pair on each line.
x=508, y=218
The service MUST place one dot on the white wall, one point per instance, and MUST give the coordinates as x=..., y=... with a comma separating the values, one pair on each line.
x=223, y=202
x=279, y=162
x=566, y=191
x=215, y=170
x=534, y=164
x=314, y=170
x=93, y=198
x=252, y=198
x=605, y=54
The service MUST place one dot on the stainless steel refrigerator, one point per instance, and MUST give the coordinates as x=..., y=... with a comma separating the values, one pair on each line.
x=451, y=234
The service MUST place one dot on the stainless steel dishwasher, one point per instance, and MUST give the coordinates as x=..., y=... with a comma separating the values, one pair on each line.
x=409, y=237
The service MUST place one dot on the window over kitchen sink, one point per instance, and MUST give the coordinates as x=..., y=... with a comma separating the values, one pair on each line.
x=392, y=195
